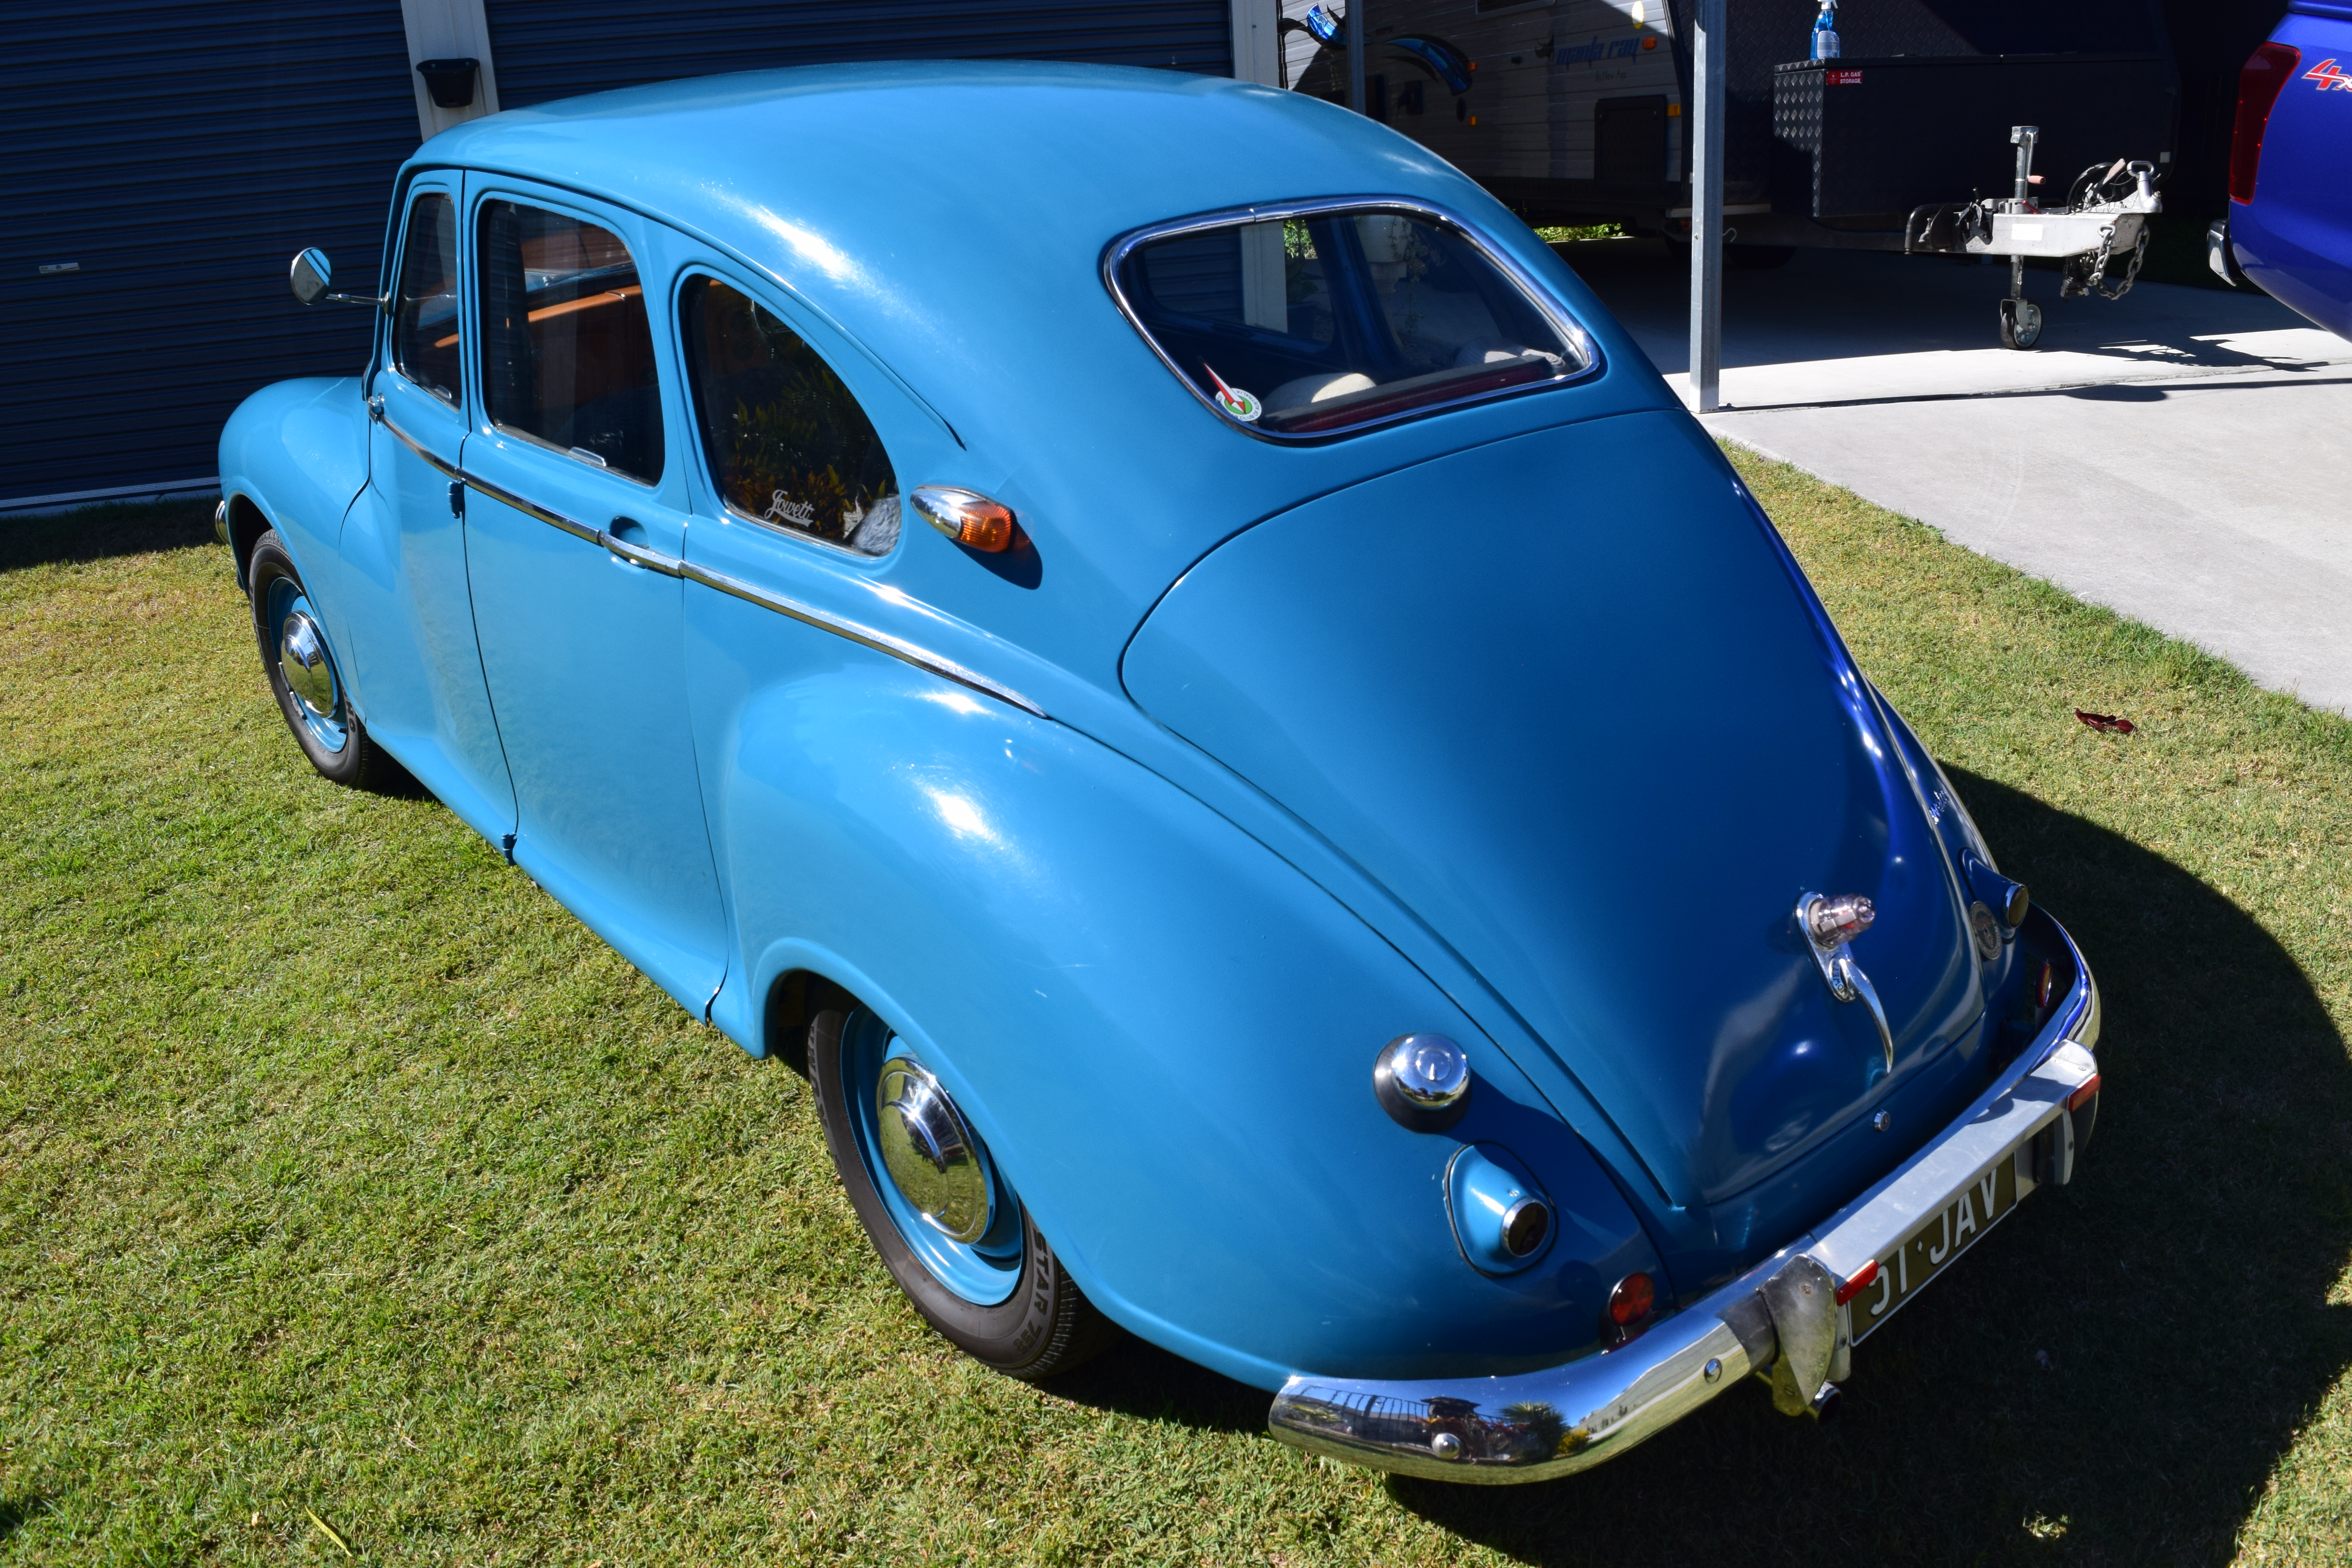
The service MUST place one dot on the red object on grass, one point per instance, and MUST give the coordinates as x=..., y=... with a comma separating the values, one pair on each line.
x=2106, y=721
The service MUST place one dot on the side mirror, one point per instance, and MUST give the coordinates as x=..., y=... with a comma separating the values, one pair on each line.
x=311, y=273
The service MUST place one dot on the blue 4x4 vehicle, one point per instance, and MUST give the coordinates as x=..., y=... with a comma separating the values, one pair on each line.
x=2289, y=231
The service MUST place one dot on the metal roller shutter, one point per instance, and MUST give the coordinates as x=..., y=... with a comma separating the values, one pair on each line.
x=178, y=154
x=175, y=153
x=555, y=48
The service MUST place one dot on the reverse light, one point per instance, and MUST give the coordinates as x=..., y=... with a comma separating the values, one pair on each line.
x=1842, y=918
x=2260, y=80
x=1525, y=1226
x=1864, y=1277
x=2007, y=898
x=967, y=517
x=1501, y=1219
x=1631, y=1298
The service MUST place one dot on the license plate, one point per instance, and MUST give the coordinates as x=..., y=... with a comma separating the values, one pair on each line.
x=1922, y=1255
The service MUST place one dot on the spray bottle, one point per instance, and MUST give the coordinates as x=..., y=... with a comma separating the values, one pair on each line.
x=1825, y=38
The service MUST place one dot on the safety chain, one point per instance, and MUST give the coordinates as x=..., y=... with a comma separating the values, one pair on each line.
x=2131, y=273
x=2093, y=279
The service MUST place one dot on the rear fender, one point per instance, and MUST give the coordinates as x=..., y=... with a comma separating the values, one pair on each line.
x=1164, y=1034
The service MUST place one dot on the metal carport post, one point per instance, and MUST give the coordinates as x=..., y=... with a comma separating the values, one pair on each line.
x=1708, y=58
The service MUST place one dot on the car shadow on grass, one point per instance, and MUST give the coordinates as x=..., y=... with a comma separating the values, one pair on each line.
x=2113, y=1375
x=15, y=1512
x=101, y=533
x=1136, y=1378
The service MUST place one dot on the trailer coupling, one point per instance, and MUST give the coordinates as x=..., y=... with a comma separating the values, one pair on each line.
x=2101, y=229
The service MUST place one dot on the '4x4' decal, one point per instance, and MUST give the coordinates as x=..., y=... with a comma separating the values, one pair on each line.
x=2327, y=74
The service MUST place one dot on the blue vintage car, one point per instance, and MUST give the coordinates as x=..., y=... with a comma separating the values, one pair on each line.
x=1164, y=646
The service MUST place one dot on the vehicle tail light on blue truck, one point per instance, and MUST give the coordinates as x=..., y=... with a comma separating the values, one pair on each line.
x=1258, y=693
x=2261, y=80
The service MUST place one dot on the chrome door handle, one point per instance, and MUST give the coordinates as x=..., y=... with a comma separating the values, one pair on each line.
x=636, y=554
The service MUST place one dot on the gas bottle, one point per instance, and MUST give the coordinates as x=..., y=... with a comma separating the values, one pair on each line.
x=1825, y=38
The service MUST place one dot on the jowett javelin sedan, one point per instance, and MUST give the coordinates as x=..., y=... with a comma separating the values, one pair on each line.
x=1154, y=636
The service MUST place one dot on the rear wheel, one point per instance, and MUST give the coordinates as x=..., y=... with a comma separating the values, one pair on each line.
x=949, y=1229
x=304, y=679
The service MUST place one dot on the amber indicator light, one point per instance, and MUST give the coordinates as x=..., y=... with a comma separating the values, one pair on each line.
x=2088, y=1091
x=967, y=517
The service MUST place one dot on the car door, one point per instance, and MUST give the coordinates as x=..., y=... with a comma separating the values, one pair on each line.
x=403, y=582
x=793, y=446
x=575, y=519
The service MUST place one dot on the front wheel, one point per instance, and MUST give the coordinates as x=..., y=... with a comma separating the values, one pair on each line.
x=304, y=679
x=949, y=1229
x=2021, y=324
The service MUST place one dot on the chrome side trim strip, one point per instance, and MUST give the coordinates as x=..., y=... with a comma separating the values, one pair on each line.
x=532, y=508
x=670, y=567
x=637, y=555
x=1539, y=1424
x=866, y=636
x=409, y=441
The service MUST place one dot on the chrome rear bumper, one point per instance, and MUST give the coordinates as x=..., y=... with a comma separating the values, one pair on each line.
x=1780, y=1318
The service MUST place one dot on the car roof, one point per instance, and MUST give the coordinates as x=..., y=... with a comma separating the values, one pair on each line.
x=950, y=218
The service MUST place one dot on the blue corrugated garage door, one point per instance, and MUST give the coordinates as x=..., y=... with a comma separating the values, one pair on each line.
x=177, y=155
x=554, y=48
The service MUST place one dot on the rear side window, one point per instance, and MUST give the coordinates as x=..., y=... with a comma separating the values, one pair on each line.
x=425, y=323
x=787, y=444
x=1335, y=320
x=567, y=353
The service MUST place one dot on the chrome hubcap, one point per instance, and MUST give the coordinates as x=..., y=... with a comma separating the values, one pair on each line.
x=302, y=655
x=931, y=1156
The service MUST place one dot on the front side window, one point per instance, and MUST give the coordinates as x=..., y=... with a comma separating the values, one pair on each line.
x=787, y=444
x=1333, y=321
x=567, y=353
x=425, y=319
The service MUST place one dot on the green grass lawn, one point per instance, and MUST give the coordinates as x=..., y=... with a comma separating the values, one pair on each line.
x=344, y=1178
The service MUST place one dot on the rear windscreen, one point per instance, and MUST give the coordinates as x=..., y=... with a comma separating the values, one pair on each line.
x=1330, y=321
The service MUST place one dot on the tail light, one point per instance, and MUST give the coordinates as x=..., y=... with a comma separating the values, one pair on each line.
x=1632, y=1299
x=2260, y=80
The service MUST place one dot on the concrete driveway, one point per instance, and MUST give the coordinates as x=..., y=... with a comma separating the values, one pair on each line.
x=2179, y=455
